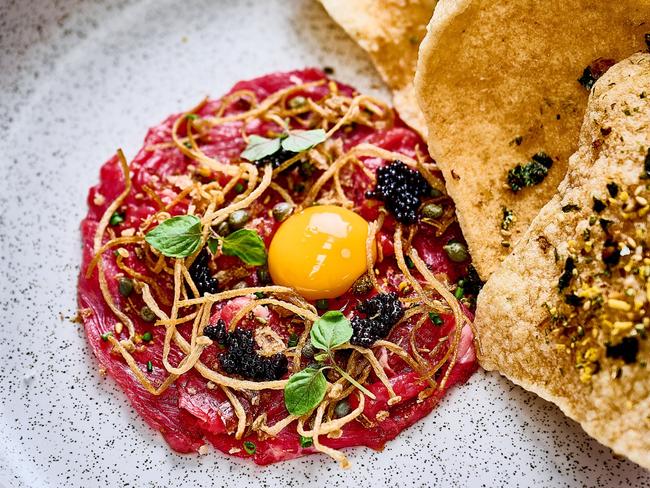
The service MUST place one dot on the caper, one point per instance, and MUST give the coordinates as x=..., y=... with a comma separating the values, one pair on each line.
x=238, y=219
x=342, y=409
x=456, y=251
x=223, y=229
x=297, y=102
x=282, y=210
x=432, y=211
x=322, y=304
x=308, y=350
x=435, y=193
x=125, y=286
x=147, y=314
x=263, y=275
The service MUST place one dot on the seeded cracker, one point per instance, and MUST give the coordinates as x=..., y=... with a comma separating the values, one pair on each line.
x=498, y=83
x=566, y=315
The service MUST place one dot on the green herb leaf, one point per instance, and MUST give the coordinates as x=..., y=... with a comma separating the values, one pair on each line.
x=306, y=441
x=331, y=330
x=116, y=219
x=177, y=237
x=304, y=391
x=301, y=140
x=213, y=245
x=435, y=318
x=321, y=357
x=259, y=147
x=247, y=245
x=250, y=447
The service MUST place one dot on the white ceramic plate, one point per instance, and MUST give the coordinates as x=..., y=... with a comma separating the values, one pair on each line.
x=77, y=80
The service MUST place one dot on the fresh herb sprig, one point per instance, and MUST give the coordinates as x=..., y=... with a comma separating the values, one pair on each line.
x=177, y=237
x=295, y=141
x=180, y=237
x=307, y=388
x=245, y=244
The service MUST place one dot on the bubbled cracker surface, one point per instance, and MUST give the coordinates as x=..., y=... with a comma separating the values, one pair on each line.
x=490, y=71
x=511, y=307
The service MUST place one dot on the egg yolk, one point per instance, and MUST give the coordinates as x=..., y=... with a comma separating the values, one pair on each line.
x=320, y=252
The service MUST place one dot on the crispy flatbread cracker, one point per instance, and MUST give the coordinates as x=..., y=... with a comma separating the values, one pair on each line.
x=497, y=83
x=579, y=338
x=390, y=31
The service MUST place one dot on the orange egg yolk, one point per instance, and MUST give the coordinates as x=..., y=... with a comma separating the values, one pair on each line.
x=320, y=252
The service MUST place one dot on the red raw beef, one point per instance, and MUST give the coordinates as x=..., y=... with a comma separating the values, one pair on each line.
x=192, y=411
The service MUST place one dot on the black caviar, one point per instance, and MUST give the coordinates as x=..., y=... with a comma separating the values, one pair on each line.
x=276, y=159
x=240, y=357
x=382, y=312
x=400, y=188
x=200, y=273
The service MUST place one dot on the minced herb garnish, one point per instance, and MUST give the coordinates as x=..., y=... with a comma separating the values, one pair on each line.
x=604, y=287
x=567, y=275
x=531, y=173
x=570, y=208
x=599, y=205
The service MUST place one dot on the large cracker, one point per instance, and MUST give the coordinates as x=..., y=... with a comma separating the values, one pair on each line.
x=512, y=318
x=492, y=71
x=390, y=31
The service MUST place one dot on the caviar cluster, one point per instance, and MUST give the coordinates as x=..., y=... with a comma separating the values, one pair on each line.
x=382, y=312
x=200, y=273
x=276, y=159
x=400, y=188
x=240, y=357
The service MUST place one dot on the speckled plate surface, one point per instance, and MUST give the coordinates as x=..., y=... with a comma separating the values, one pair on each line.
x=77, y=80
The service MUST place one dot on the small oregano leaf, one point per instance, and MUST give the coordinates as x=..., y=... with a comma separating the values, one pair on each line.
x=259, y=147
x=213, y=245
x=301, y=140
x=247, y=245
x=304, y=391
x=331, y=330
x=177, y=237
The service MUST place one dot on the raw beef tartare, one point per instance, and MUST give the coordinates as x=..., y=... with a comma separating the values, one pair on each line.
x=278, y=272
